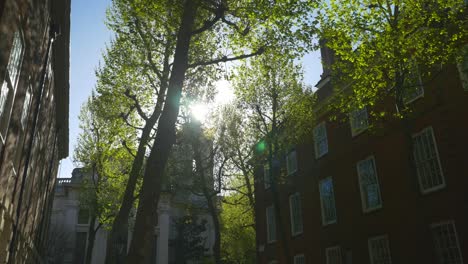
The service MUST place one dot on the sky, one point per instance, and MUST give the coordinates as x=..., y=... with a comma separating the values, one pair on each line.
x=89, y=36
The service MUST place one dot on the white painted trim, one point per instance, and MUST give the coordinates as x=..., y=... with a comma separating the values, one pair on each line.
x=328, y=249
x=378, y=238
x=291, y=214
x=367, y=210
x=324, y=222
x=443, y=184
x=317, y=155
x=299, y=256
x=450, y=222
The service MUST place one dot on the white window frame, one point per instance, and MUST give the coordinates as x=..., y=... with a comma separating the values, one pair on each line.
x=356, y=130
x=437, y=157
x=268, y=224
x=10, y=85
x=324, y=220
x=387, y=248
x=318, y=139
x=455, y=236
x=335, y=250
x=364, y=204
x=299, y=229
x=299, y=259
x=266, y=176
x=419, y=80
x=290, y=170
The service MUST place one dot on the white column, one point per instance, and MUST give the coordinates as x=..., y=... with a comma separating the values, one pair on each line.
x=162, y=254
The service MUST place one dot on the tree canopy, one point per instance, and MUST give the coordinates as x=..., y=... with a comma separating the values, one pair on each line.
x=382, y=48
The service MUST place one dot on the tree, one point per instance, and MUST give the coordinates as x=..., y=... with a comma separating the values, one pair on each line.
x=249, y=27
x=277, y=106
x=383, y=47
x=385, y=51
x=105, y=162
x=189, y=242
x=238, y=228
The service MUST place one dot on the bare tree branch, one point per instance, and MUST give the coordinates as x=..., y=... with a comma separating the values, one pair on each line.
x=136, y=103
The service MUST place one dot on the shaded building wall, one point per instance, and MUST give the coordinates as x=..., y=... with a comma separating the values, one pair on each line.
x=406, y=214
x=69, y=228
x=33, y=120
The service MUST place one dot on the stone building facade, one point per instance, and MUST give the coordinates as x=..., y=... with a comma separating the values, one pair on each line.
x=351, y=194
x=69, y=224
x=34, y=79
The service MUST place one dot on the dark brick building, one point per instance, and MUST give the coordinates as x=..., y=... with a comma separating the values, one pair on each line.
x=351, y=195
x=34, y=92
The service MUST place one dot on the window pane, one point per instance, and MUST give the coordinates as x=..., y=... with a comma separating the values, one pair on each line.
x=291, y=162
x=328, y=201
x=320, y=140
x=296, y=213
x=359, y=121
x=370, y=190
x=333, y=255
x=427, y=161
x=446, y=243
x=379, y=250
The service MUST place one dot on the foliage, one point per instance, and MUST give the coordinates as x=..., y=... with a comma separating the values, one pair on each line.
x=101, y=155
x=271, y=92
x=189, y=241
x=382, y=47
x=238, y=233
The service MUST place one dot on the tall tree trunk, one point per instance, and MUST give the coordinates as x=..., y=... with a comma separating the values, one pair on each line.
x=116, y=249
x=143, y=236
x=91, y=238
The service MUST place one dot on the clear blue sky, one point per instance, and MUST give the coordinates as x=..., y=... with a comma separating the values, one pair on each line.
x=89, y=36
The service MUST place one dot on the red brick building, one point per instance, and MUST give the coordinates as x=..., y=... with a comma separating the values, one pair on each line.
x=34, y=96
x=350, y=196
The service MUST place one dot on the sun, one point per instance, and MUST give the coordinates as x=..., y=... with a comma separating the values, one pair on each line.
x=199, y=111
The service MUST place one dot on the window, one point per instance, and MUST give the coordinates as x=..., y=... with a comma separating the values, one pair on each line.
x=327, y=200
x=427, y=161
x=266, y=176
x=22, y=133
x=291, y=162
x=369, y=185
x=320, y=140
x=446, y=243
x=333, y=255
x=11, y=80
x=379, y=250
x=412, y=86
x=299, y=259
x=359, y=121
x=295, y=210
x=271, y=224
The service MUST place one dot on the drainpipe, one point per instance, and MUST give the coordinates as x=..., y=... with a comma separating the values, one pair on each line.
x=53, y=33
